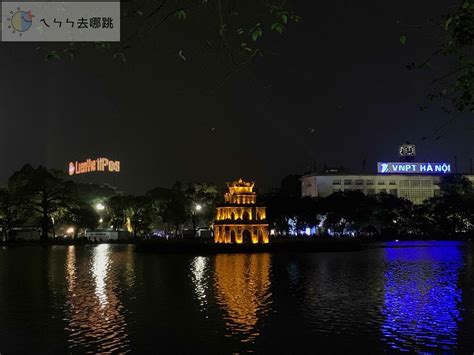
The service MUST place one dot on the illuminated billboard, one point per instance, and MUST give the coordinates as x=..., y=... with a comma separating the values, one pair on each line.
x=413, y=168
x=92, y=165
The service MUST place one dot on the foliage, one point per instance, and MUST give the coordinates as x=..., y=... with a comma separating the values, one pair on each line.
x=43, y=193
x=455, y=47
x=82, y=216
x=38, y=196
x=11, y=212
x=232, y=30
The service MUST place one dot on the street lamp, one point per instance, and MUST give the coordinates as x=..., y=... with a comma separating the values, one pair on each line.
x=70, y=231
x=197, y=209
x=100, y=208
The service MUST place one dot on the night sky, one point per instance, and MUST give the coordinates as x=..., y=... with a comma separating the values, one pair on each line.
x=334, y=90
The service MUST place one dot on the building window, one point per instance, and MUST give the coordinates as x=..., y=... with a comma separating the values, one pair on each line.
x=392, y=182
x=359, y=182
x=336, y=182
x=425, y=183
x=347, y=182
x=381, y=182
x=393, y=192
x=336, y=190
x=369, y=182
x=404, y=183
x=382, y=191
x=415, y=183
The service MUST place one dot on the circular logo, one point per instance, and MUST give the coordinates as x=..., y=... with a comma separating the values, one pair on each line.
x=20, y=21
x=72, y=168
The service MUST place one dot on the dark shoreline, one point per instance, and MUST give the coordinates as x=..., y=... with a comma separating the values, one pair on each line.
x=208, y=247
x=275, y=246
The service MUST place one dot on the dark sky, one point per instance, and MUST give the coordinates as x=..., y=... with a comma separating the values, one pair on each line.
x=341, y=72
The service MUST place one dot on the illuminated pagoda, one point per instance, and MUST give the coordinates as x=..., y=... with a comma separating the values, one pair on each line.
x=240, y=219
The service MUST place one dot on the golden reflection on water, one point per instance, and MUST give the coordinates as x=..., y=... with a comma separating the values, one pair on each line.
x=94, y=313
x=242, y=285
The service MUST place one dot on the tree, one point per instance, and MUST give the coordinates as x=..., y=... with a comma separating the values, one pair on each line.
x=230, y=30
x=391, y=213
x=201, y=200
x=290, y=214
x=455, y=185
x=139, y=211
x=42, y=193
x=456, y=42
x=135, y=210
x=11, y=213
x=453, y=211
x=82, y=216
x=175, y=211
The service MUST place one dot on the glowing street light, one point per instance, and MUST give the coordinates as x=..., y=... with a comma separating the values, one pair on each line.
x=70, y=231
x=198, y=208
x=99, y=207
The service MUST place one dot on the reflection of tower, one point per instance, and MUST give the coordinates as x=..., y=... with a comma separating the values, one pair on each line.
x=240, y=219
x=407, y=152
x=242, y=283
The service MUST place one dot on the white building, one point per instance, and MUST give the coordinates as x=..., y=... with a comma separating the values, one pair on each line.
x=415, y=188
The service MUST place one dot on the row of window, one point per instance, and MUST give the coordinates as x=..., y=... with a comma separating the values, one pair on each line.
x=361, y=182
x=368, y=191
x=403, y=183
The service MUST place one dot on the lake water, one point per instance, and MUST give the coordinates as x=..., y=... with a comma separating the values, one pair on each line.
x=415, y=296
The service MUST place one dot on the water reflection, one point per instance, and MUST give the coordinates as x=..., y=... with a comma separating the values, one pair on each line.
x=422, y=297
x=242, y=285
x=199, y=279
x=94, y=312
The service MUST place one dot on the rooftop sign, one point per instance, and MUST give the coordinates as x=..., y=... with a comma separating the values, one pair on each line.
x=413, y=168
x=91, y=165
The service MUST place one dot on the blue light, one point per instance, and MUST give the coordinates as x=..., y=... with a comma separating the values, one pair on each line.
x=422, y=297
x=413, y=168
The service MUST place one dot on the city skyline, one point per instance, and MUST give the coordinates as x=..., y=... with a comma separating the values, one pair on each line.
x=343, y=97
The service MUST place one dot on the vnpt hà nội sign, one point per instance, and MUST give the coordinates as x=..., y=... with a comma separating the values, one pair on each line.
x=413, y=168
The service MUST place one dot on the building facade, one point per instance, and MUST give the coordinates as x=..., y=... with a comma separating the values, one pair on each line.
x=416, y=188
x=241, y=219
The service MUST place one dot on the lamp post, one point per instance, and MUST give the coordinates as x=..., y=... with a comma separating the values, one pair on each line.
x=100, y=208
x=197, y=209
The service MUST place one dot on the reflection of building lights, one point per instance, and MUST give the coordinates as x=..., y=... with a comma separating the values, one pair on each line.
x=422, y=305
x=198, y=267
x=99, y=270
x=128, y=224
x=243, y=290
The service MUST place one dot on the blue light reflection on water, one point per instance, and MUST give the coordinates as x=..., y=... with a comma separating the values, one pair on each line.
x=422, y=296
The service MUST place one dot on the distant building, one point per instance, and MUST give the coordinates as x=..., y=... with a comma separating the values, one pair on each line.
x=415, y=182
x=107, y=235
x=240, y=219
